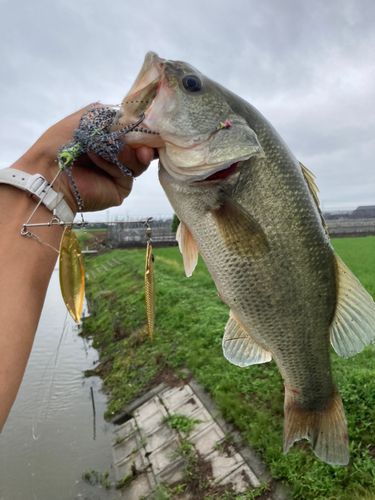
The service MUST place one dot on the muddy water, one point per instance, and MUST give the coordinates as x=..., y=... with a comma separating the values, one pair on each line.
x=51, y=436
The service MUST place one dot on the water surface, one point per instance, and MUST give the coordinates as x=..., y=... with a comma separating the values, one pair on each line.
x=50, y=437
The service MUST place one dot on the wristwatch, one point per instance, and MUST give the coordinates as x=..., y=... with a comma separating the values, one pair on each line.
x=36, y=185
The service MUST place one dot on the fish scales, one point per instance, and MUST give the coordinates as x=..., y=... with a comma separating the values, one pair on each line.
x=274, y=295
x=251, y=210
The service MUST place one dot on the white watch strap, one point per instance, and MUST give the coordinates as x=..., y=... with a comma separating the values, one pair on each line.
x=37, y=185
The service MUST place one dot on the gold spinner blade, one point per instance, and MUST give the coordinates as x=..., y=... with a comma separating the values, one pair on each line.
x=150, y=289
x=72, y=273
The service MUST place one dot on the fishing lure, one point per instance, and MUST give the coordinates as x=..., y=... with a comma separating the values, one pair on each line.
x=149, y=282
x=227, y=124
x=72, y=273
x=93, y=136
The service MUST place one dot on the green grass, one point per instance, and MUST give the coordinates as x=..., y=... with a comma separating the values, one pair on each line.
x=190, y=320
x=181, y=422
x=83, y=237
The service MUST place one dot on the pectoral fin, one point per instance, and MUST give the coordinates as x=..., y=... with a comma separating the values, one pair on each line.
x=188, y=248
x=240, y=231
x=238, y=346
x=353, y=325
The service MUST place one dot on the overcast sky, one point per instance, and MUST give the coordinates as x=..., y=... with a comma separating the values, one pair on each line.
x=308, y=66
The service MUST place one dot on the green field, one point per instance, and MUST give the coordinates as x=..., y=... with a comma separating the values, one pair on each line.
x=190, y=320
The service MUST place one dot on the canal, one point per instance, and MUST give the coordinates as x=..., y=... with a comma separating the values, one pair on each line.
x=52, y=436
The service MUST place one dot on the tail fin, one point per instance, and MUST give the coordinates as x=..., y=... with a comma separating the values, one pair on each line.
x=326, y=429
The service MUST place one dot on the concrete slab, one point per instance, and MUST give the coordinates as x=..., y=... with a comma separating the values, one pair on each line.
x=211, y=406
x=134, y=405
x=129, y=465
x=105, y=267
x=158, y=437
x=173, y=473
x=205, y=420
x=150, y=415
x=176, y=396
x=93, y=274
x=165, y=455
x=125, y=429
x=149, y=408
x=98, y=270
x=206, y=440
x=157, y=444
x=222, y=465
x=141, y=486
x=188, y=407
x=129, y=445
x=242, y=478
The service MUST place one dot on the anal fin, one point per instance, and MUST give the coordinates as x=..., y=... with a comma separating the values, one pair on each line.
x=238, y=346
x=187, y=247
x=353, y=325
x=325, y=429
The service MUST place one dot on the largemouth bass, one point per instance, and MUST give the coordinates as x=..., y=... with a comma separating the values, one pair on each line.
x=251, y=209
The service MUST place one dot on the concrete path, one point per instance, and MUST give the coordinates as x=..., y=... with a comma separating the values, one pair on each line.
x=147, y=449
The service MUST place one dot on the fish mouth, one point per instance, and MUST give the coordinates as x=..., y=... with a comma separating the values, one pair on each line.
x=151, y=83
x=221, y=174
x=138, y=102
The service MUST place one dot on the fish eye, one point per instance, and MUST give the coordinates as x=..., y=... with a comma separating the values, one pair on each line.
x=191, y=83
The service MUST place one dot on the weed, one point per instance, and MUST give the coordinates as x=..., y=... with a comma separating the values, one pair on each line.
x=166, y=492
x=252, y=397
x=94, y=477
x=120, y=439
x=219, y=446
x=125, y=481
x=180, y=422
x=251, y=494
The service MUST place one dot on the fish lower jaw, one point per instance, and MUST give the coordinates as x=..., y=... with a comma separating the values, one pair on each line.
x=221, y=174
x=197, y=176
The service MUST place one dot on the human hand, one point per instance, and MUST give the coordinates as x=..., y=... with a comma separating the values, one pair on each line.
x=100, y=183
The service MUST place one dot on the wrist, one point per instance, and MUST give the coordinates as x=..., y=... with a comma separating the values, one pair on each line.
x=32, y=165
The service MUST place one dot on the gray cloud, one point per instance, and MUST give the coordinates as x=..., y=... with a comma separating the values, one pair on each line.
x=307, y=66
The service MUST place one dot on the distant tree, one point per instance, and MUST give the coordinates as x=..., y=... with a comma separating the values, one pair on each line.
x=175, y=223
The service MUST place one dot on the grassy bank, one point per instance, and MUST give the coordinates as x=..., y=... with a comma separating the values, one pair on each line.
x=190, y=320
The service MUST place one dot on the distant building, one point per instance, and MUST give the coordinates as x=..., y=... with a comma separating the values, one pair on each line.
x=364, y=212
x=134, y=235
x=358, y=222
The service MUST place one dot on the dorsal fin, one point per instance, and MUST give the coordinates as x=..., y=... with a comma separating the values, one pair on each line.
x=187, y=247
x=353, y=324
x=310, y=179
x=238, y=346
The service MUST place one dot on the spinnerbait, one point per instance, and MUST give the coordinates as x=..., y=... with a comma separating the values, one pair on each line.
x=92, y=136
